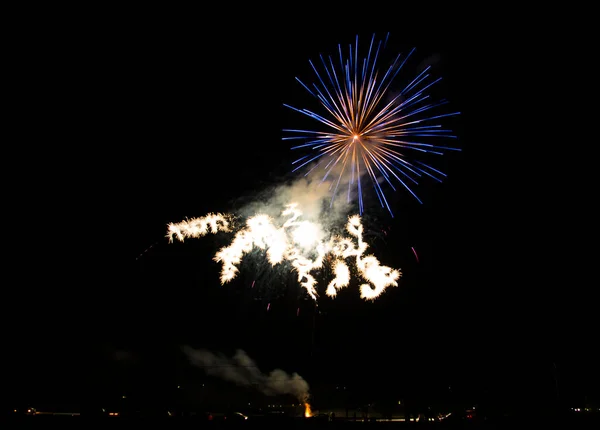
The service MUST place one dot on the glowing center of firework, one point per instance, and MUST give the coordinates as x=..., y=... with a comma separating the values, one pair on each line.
x=306, y=235
x=307, y=410
x=280, y=244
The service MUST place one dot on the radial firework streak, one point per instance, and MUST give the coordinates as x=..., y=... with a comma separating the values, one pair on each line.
x=368, y=126
x=297, y=242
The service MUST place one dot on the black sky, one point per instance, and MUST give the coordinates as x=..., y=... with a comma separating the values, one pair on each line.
x=167, y=122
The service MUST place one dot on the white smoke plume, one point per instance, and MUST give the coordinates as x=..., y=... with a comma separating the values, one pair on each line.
x=311, y=194
x=243, y=371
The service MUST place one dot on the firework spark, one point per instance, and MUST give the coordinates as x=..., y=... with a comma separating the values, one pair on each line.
x=367, y=129
x=198, y=227
x=415, y=252
x=301, y=243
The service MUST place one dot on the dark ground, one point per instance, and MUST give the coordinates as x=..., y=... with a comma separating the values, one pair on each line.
x=556, y=422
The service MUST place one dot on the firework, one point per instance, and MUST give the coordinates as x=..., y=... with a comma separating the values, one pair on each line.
x=368, y=126
x=302, y=244
x=198, y=227
x=415, y=252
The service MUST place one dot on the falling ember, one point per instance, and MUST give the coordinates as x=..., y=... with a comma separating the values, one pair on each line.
x=253, y=283
x=298, y=312
x=307, y=410
x=415, y=252
x=268, y=306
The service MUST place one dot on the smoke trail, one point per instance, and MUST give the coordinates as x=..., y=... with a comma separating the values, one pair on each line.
x=243, y=371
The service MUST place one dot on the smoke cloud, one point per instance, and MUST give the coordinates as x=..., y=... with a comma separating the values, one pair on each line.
x=314, y=199
x=243, y=371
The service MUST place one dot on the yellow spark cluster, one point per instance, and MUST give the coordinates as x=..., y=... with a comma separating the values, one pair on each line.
x=198, y=227
x=297, y=242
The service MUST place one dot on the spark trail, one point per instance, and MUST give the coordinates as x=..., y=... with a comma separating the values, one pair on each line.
x=303, y=244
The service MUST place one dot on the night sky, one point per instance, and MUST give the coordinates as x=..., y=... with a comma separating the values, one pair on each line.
x=166, y=122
